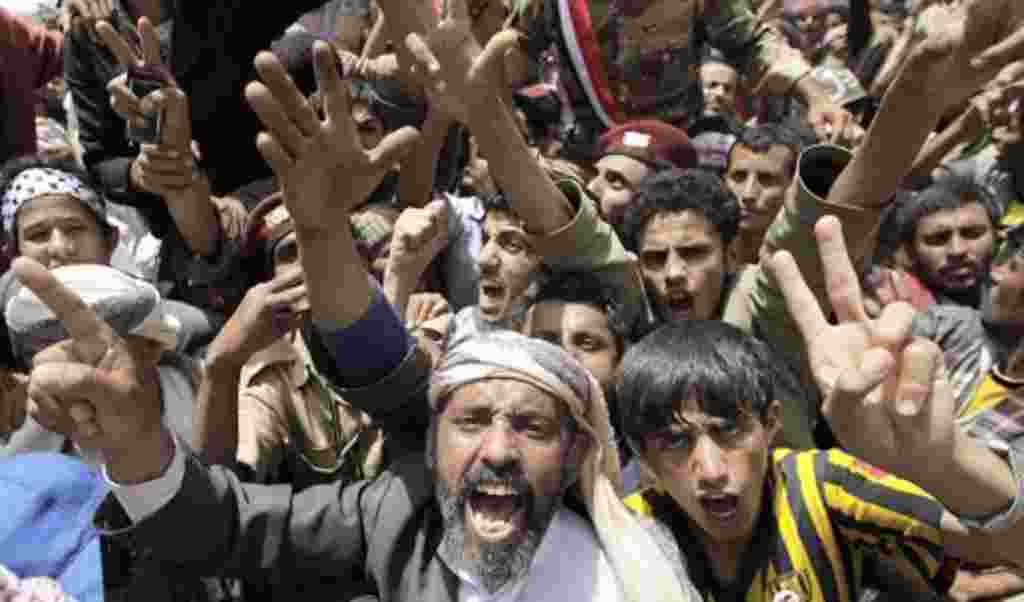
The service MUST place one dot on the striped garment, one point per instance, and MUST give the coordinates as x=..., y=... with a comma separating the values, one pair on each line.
x=828, y=511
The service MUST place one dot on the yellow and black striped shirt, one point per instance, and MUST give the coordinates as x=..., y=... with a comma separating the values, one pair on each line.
x=828, y=510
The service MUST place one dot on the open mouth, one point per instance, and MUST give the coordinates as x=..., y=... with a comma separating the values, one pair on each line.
x=722, y=507
x=491, y=295
x=679, y=306
x=495, y=512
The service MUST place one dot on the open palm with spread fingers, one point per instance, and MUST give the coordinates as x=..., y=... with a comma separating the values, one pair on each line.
x=96, y=387
x=458, y=73
x=319, y=161
x=886, y=396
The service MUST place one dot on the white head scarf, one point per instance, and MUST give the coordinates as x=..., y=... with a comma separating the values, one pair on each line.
x=644, y=572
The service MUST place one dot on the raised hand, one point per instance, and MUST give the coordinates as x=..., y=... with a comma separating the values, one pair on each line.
x=77, y=14
x=143, y=54
x=168, y=168
x=458, y=73
x=269, y=311
x=97, y=387
x=419, y=235
x=319, y=161
x=961, y=47
x=886, y=395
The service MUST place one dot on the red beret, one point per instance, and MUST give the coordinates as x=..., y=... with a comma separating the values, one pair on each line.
x=649, y=141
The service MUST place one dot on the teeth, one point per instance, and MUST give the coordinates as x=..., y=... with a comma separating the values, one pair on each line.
x=497, y=489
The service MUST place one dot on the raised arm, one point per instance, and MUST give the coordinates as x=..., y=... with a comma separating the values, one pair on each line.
x=268, y=312
x=463, y=74
x=888, y=400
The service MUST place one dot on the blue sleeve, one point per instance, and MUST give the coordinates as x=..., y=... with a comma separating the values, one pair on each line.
x=370, y=349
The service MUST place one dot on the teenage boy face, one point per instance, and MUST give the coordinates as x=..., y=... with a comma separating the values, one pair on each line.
x=714, y=467
x=507, y=266
x=57, y=230
x=581, y=329
x=684, y=264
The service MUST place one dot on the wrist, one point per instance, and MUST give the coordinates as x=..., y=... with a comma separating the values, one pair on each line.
x=222, y=358
x=147, y=460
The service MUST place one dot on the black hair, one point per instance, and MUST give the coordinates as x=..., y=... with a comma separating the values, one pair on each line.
x=678, y=190
x=715, y=363
x=761, y=138
x=10, y=170
x=585, y=287
x=497, y=201
x=950, y=191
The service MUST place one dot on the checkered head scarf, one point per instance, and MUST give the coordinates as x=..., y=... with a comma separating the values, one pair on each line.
x=39, y=181
x=644, y=572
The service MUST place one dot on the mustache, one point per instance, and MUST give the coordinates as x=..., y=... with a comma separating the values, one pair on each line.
x=508, y=475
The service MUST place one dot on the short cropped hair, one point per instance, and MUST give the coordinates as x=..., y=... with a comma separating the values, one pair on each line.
x=585, y=287
x=678, y=190
x=722, y=368
x=761, y=138
x=951, y=191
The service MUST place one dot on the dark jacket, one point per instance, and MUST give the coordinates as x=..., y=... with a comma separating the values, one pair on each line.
x=212, y=46
x=387, y=530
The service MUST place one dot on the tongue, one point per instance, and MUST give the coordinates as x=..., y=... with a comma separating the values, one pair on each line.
x=720, y=506
x=501, y=505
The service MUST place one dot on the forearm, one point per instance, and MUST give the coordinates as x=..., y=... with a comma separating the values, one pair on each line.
x=907, y=116
x=398, y=288
x=532, y=194
x=964, y=129
x=215, y=423
x=977, y=483
x=196, y=218
x=336, y=279
x=416, y=178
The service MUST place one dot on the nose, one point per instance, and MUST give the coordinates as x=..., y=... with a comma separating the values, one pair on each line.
x=675, y=269
x=60, y=247
x=750, y=191
x=957, y=245
x=709, y=465
x=488, y=260
x=499, y=445
x=595, y=188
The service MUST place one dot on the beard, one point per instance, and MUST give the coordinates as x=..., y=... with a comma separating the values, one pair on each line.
x=495, y=564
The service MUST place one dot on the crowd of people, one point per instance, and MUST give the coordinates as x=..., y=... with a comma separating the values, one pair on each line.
x=499, y=300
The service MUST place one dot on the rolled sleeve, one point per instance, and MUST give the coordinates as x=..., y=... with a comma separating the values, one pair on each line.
x=589, y=244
